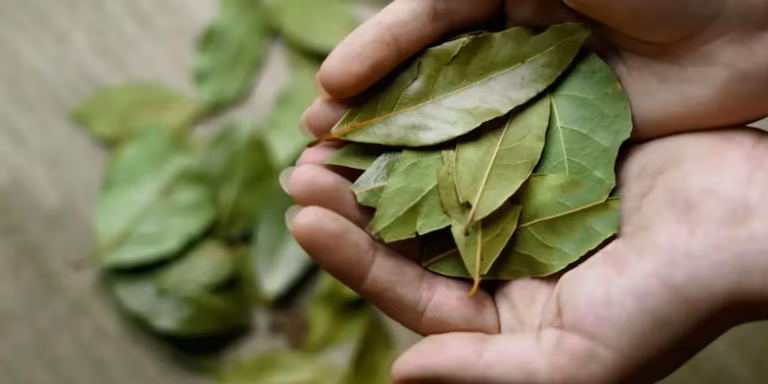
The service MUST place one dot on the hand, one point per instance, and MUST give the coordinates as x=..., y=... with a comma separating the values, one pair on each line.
x=689, y=262
x=686, y=64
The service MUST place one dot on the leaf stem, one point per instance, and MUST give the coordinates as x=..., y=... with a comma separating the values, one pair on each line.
x=478, y=260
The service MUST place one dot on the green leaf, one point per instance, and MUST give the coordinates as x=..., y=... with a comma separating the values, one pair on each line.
x=558, y=244
x=335, y=314
x=314, y=25
x=237, y=163
x=282, y=128
x=370, y=185
x=280, y=367
x=115, y=114
x=230, y=51
x=410, y=203
x=276, y=260
x=152, y=202
x=561, y=240
x=357, y=156
x=193, y=307
x=590, y=120
x=449, y=193
x=375, y=355
x=453, y=88
x=206, y=267
x=485, y=241
x=491, y=168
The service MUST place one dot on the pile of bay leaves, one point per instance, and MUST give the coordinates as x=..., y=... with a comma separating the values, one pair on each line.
x=190, y=220
x=497, y=150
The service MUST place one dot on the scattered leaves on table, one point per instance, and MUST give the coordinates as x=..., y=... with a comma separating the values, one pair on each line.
x=114, y=114
x=281, y=367
x=332, y=301
x=314, y=25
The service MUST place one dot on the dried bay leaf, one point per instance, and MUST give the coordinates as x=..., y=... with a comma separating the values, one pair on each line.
x=491, y=168
x=357, y=156
x=410, y=203
x=332, y=302
x=238, y=164
x=450, y=200
x=453, y=88
x=230, y=51
x=370, y=185
x=315, y=25
x=152, y=202
x=190, y=298
x=280, y=367
x=590, y=120
x=483, y=244
x=375, y=354
x=281, y=129
x=275, y=259
x=114, y=114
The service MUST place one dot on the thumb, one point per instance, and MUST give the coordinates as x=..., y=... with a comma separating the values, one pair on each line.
x=546, y=357
x=651, y=21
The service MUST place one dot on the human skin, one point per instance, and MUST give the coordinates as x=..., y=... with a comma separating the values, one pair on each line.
x=689, y=260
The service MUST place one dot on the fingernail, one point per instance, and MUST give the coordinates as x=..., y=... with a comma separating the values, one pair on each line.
x=284, y=179
x=290, y=213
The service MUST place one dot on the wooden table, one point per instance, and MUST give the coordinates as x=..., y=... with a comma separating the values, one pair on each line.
x=56, y=327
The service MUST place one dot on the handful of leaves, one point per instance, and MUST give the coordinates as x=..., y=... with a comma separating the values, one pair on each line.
x=496, y=149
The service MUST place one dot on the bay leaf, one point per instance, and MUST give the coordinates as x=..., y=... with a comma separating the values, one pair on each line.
x=230, y=51
x=449, y=193
x=114, y=114
x=315, y=25
x=410, y=203
x=335, y=314
x=282, y=126
x=590, y=120
x=152, y=202
x=483, y=244
x=237, y=163
x=189, y=298
x=563, y=241
x=453, y=88
x=280, y=367
x=492, y=167
x=375, y=354
x=357, y=156
x=276, y=261
x=206, y=267
x=370, y=185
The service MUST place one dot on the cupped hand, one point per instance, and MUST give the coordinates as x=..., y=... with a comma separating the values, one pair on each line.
x=689, y=263
x=686, y=64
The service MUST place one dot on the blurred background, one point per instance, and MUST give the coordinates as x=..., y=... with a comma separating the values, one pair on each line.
x=79, y=303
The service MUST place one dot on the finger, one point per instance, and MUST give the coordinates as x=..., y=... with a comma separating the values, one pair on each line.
x=395, y=34
x=314, y=185
x=548, y=357
x=420, y=300
x=318, y=153
x=652, y=21
x=321, y=116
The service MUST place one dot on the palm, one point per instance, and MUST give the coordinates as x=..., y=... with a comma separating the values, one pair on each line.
x=666, y=276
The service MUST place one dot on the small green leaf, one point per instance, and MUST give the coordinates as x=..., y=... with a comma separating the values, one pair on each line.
x=357, y=156
x=152, y=202
x=375, y=355
x=369, y=186
x=238, y=165
x=198, y=305
x=115, y=114
x=280, y=367
x=492, y=167
x=282, y=128
x=449, y=193
x=410, y=203
x=335, y=314
x=453, y=88
x=276, y=260
x=314, y=25
x=485, y=241
x=230, y=51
